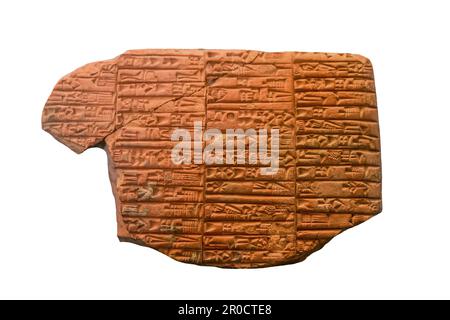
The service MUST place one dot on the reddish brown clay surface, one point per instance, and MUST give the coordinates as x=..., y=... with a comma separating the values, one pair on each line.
x=229, y=215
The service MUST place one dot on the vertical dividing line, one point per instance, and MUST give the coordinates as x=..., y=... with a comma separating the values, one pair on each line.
x=295, y=149
x=116, y=93
x=203, y=163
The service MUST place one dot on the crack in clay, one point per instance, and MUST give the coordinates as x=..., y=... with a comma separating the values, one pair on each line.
x=204, y=87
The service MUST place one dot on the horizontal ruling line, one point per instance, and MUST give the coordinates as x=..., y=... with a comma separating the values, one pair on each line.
x=187, y=218
x=260, y=220
x=199, y=82
x=299, y=195
x=251, y=87
x=306, y=197
x=286, y=99
x=286, y=233
x=335, y=91
x=237, y=166
x=336, y=119
x=181, y=232
x=287, y=141
x=78, y=104
x=342, y=148
x=298, y=90
x=325, y=61
x=81, y=136
x=209, y=220
x=156, y=82
x=321, y=77
x=77, y=121
x=150, y=111
x=99, y=76
x=237, y=74
x=137, y=203
x=248, y=220
x=159, y=184
x=188, y=166
x=111, y=92
x=271, y=74
x=174, y=96
x=164, y=247
x=169, y=54
x=332, y=132
x=169, y=148
x=336, y=106
x=335, y=149
x=338, y=165
x=165, y=167
x=268, y=250
x=297, y=76
x=231, y=180
x=300, y=133
x=300, y=212
x=318, y=180
x=290, y=195
x=161, y=68
x=208, y=202
x=275, y=180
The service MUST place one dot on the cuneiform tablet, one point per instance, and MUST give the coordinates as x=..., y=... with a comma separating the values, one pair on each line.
x=229, y=158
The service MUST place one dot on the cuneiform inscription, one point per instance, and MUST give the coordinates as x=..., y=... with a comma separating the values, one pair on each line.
x=165, y=62
x=339, y=84
x=163, y=225
x=172, y=241
x=321, y=221
x=343, y=127
x=348, y=172
x=215, y=94
x=333, y=69
x=266, y=227
x=338, y=141
x=252, y=119
x=152, y=192
x=247, y=173
x=163, y=119
x=82, y=130
x=140, y=105
x=337, y=157
x=180, y=177
x=81, y=114
x=161, y=210
x=355, y=189
x=249, y=242
x=147, y=75
x=337, y=113
x=335, y=98
x=255, y=187
x=219, y=69
x=245, y=258
x=70, y=98
x=178, y=89
x=229, y=213
x=339, y=205
x=184, y=255
x=258, y=212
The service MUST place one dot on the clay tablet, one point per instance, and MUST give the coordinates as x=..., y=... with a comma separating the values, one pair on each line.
x=236, y=159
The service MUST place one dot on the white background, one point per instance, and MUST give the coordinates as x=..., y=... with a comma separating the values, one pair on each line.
x=57, y=213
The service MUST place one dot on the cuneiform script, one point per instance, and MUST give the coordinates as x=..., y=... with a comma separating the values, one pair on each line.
x=232, y=214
